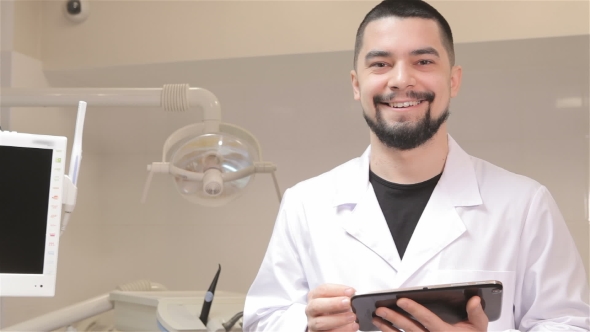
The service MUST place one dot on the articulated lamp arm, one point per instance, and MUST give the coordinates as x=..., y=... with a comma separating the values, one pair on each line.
x=172, y=97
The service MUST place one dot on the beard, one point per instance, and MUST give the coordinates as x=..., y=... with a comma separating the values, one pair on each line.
x=405, y=135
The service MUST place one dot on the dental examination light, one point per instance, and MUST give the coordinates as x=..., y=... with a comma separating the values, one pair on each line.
x=211, y=162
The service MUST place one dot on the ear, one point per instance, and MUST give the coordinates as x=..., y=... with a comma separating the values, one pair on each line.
x=456, y=76
x=355, y=85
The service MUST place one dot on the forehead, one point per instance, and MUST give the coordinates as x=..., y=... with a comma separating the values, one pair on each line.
x=402, y=35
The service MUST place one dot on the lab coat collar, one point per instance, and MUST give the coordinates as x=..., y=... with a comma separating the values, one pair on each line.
x=439, y=224
x=458, y=179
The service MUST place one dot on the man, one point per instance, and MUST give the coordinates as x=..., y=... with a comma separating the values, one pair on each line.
x=415, y=209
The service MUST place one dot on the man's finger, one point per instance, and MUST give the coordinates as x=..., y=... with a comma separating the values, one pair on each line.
x=327, y=306
x=476, y=315
x=325, y=323
x=424, y=316
x=330, y=290
x=398, y=320
x=384, y=326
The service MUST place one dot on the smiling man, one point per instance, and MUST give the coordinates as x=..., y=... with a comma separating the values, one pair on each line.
x=415, y=209
x=404, y=96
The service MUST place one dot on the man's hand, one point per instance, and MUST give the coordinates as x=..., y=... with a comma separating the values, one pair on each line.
x=428, y=321
x=328, y=309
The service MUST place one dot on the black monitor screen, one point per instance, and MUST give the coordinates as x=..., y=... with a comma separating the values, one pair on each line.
x=25, y=176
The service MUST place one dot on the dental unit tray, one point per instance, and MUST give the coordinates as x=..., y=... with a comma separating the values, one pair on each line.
x=174, y=311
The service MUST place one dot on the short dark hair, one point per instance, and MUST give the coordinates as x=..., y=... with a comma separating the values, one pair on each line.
x=405, y=9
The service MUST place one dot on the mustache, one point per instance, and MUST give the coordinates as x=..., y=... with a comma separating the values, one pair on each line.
x=419, y=95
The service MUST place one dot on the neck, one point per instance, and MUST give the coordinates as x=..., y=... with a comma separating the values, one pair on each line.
x=410, y=166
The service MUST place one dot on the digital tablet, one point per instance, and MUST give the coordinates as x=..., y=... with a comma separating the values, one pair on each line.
x=448, y=301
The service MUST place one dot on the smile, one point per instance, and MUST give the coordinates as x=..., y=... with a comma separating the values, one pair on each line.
x=403, y=104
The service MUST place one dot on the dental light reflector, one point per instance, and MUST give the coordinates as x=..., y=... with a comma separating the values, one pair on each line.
x=212, y=155
x=211, y=169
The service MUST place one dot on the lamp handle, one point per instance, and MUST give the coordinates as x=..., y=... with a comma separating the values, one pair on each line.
x=157, y=167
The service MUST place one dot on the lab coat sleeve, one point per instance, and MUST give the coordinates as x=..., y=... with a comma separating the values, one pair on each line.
x=277, y=298
x=552, y=287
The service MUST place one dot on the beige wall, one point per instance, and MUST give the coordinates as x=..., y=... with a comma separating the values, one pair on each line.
x=144, y=32
x=27, y=27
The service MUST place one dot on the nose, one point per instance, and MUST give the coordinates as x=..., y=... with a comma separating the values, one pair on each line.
x=401, y=77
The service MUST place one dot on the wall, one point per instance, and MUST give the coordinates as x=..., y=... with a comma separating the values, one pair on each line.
x=27, y=27
x=168, y=31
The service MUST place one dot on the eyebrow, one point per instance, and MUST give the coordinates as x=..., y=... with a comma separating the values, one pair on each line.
x=426, y=50
x=377, y=54
x=385, y=54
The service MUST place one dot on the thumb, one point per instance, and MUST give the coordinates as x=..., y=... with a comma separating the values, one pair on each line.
x=476, y=315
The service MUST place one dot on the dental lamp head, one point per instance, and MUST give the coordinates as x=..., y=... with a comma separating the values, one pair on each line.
x=211, y=162
x=211, y=168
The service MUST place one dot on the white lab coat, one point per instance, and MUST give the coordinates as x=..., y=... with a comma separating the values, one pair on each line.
x=481, y=222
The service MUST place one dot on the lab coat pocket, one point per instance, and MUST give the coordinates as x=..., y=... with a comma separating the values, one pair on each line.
x=507, y=278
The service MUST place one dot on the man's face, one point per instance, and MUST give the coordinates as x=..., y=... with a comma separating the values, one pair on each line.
x=404, y=80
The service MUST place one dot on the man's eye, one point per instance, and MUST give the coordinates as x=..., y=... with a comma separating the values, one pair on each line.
x=425, y=62
x=379, y=64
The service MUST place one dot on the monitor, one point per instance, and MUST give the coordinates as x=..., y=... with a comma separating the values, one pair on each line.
x=31, y=190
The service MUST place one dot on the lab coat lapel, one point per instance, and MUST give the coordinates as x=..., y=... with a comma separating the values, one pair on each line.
x=438, y=227
x=362, y=216
x=440, y=224
x=367, y=224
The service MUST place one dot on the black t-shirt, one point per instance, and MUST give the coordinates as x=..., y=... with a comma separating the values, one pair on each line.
x=402, y=206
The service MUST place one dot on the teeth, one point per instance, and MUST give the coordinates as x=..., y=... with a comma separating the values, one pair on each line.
x=406, y=104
